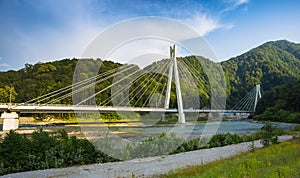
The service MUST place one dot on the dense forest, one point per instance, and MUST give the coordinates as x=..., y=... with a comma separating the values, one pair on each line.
x=280, y=104
x=36, y=80
x=270, y=64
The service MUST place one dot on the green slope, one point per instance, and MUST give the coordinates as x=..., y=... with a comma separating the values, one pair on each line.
x=270, y=65
x=280, y=104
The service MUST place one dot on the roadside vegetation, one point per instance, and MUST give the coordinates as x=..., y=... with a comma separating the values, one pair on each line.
x=280, y=160
x=43, y=150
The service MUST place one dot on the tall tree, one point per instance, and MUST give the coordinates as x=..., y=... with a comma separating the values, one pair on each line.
x=7, y=94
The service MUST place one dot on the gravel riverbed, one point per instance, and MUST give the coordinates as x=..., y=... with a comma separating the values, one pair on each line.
x=145, y=167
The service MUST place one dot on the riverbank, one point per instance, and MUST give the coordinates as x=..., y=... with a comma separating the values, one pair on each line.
x=146, y=167
x=138, y=131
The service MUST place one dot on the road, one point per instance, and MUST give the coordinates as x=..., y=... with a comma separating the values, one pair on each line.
x=146, y=167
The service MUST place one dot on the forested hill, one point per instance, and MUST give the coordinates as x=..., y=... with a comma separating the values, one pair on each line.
x=281, y=104
x=271, y=64
x=290, y=47
x=42, y=78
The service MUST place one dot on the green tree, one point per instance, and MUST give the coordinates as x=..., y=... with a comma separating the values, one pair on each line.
x=280, y=104
x=7, y=93
x=269, y=134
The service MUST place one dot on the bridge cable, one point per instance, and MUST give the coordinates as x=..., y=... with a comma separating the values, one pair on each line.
x=144, y=91
x=75, y=91
x=64, y=89
x=107, y=88
x=155, y=88
x=141, y=88
x=105, y=102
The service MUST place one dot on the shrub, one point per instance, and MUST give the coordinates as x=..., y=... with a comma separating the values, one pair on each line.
x=43, y=151
x=248, y=138
x=296, y=128
x=191, y=145
x=269, y=134
x=224, y=139
x=14, y=151
x=155, y=146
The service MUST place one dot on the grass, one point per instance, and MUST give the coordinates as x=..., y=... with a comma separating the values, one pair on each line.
x=282, y=160
x=294, y=131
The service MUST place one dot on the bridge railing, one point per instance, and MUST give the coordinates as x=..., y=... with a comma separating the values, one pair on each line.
x=35, y=104
x=69, y=105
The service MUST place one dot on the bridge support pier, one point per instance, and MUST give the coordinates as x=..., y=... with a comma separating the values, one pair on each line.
x=10, y=121
x=164, y=118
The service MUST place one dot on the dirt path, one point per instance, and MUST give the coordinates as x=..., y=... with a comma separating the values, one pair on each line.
x=146, y=167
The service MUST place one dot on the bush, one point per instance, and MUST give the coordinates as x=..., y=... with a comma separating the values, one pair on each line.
x=14, y=151
x=191, y=145
x=296, y=128
x=155, y=146
x=248, y=138
x=224, y=139
x=269, y=134
x=43, y=151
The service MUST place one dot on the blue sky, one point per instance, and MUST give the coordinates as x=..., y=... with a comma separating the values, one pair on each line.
x=47, y=30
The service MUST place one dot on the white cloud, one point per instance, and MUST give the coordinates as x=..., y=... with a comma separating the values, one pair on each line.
x=139, y=31
x=239, y=2
x=79, y=25
x=48, y=44
x=202, y=23
x=233, y=4
x=66, y=35
x=4, y=65
x=141, y=52
x=148, y=36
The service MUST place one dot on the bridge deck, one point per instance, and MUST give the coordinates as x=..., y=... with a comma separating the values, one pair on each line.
x=29, y=108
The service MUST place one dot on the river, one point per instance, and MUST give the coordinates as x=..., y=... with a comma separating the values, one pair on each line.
x=239, y=127
x=132, y=130
x=140, y=130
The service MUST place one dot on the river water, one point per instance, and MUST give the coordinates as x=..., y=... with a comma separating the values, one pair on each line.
x=239, y=127
x=133, y=130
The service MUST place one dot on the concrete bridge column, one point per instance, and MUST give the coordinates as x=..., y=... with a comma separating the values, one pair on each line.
x=10, y=121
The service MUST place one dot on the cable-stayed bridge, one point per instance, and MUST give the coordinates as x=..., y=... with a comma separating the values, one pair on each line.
x=33, y=108
x=168, y=86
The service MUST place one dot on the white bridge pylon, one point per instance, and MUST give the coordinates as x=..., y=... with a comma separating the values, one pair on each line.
x=174, y=68
x=257, y=96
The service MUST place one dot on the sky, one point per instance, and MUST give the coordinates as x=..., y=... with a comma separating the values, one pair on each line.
x=34, y=31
